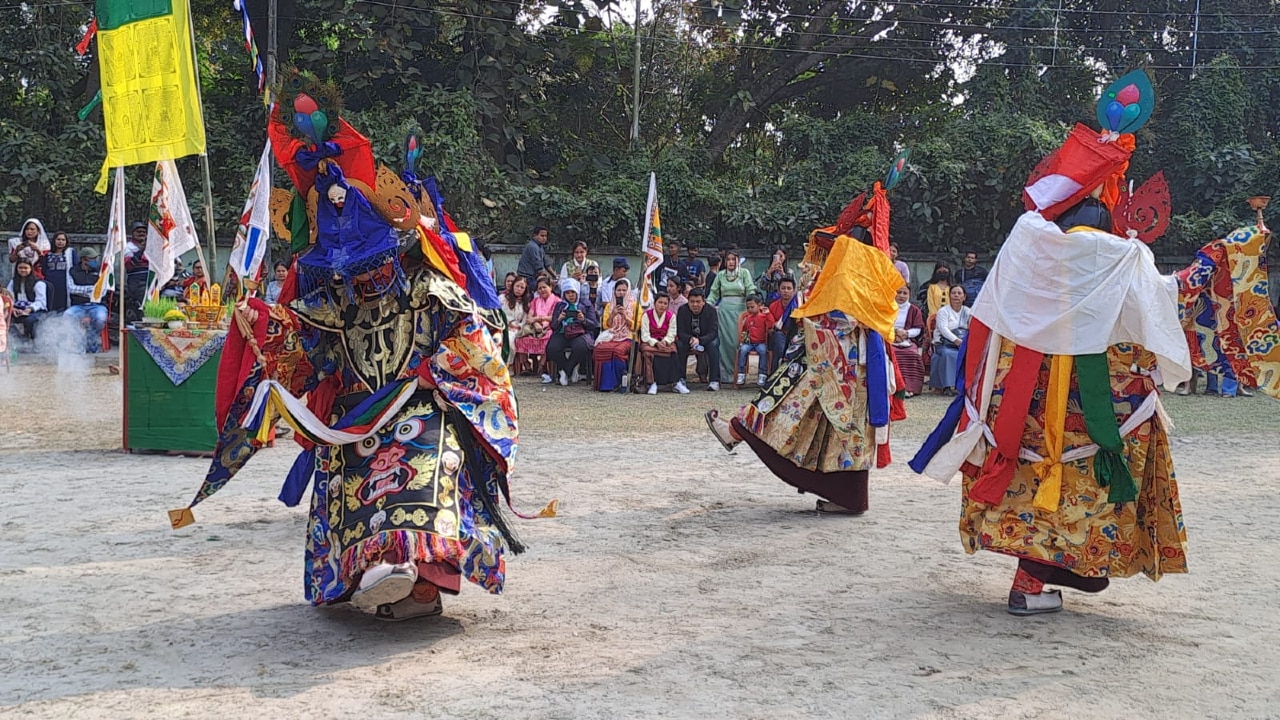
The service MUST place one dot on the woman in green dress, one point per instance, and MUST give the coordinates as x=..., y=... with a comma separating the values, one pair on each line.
x=729, y=294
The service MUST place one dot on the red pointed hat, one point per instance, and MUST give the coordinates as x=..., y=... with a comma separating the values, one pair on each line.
x=1086, y=160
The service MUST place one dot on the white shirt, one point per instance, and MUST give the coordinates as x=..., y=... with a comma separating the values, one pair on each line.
x=951, y=325
x=39, y=303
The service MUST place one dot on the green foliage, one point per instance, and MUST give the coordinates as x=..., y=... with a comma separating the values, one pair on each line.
x=761, y=118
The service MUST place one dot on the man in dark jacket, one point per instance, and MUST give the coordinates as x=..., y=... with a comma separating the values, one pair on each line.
x=697, y=332
x=533, y=259
x=971, y=276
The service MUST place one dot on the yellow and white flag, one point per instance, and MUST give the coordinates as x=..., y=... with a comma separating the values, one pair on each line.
x=115, y=241
x=651, y=251
x=150, y=101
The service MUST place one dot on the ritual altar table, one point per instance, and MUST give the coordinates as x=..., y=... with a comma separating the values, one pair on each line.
x=170, y=377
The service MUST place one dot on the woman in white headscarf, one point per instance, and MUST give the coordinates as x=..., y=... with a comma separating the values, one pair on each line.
x=30, y=244
x=572, y=327
x=613, y=346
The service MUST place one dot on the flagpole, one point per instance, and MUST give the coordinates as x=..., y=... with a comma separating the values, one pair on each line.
x=644, y=263
x=204, y=160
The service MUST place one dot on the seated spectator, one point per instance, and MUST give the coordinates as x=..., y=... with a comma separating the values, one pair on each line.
x=613, y=347
x=591, y=292
x=515, y=306
x=136, y=268
x=658, y=347
x=280, y=274
x=92, y=316
x=675, y=294
x=197, y=277
x=908, y=331
x=539, y=323
x=784, y=326
x=572, y=324
x=29, y=295
x=753, y=333
x=950, y=327
x=698, y=332
x=177, y=284
x=508, y=281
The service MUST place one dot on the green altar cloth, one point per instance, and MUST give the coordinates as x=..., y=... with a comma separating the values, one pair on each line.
x=162, y=416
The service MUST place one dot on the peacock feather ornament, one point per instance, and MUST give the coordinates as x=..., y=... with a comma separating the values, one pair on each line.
x=309, y=107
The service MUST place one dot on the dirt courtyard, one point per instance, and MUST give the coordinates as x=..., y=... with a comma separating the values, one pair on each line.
x=679, y=581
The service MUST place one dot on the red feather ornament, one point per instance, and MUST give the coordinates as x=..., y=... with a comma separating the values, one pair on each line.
x=852, y=215
x=1144, y=214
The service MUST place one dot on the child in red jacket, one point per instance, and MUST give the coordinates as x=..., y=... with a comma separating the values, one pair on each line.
x=753, y=336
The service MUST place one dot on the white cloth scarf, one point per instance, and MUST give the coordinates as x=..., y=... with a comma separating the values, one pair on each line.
x=1082, y=292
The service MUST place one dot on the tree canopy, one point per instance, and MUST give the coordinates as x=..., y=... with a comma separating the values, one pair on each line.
x=762, y=118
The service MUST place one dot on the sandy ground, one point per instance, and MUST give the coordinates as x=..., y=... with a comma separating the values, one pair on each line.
x=679, y=581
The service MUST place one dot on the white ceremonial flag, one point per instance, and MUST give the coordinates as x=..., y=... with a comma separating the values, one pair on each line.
x=170, y=230
x=115, y=241
x=253, y=233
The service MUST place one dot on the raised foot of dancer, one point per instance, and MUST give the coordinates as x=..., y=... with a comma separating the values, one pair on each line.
x=423, y=601
x=826, y=506
x=722, y=430
x=1028, y=596
x=384, y=584
x=1024, y=604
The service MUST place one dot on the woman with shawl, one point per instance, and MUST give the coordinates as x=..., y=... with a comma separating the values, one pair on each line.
x=728, y=294
x=538, y=325
x=613, y=346
x=579, y=267
x=515, y=306
x=658, y=347
x=30, y=244
x=908, y=331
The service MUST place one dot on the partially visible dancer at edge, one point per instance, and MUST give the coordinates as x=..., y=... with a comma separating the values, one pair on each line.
x=1061, y=370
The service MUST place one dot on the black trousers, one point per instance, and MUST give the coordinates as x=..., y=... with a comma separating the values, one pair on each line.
x=569, y=353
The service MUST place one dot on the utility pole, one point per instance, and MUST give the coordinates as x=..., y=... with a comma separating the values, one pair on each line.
x=271, y=46
x=635, y=86
x=1056, y=19
x=1195, y=39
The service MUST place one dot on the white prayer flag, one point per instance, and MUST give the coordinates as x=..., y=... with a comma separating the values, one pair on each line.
x=170, y=230
x=115, y=241
x=255, y=222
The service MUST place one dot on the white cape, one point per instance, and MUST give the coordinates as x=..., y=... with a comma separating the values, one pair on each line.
x=1079, y=293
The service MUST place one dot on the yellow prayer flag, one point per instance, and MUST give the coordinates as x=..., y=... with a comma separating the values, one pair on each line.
x=150, y=101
